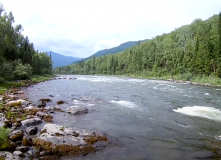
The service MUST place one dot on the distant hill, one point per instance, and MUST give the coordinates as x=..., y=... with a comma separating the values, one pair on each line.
x=114, y=50
x=61, y=60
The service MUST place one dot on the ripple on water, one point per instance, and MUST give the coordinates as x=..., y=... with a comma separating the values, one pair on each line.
x=124, y=103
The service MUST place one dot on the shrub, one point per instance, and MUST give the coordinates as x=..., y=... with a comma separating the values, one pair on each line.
x=23, y=72
x=2, y=80
x=4, y=135
x=6, y=70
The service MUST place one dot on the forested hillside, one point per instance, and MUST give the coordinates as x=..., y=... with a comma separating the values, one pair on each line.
x=18, y=58
x=189, y=51
x=114, y=50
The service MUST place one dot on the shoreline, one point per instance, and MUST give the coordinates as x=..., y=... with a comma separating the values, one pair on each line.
x=155, y=78
x=28, y=132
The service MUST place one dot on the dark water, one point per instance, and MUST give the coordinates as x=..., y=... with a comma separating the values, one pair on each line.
x=144, y=116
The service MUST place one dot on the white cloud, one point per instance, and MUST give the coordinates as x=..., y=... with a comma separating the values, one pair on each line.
x=63, y=26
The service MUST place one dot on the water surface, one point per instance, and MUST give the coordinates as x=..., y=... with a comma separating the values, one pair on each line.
x=150, y=119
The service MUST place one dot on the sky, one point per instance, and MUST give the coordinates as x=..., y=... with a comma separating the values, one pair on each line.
x=79, y=28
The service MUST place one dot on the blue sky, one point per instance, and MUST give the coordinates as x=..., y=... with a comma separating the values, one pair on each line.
x=80, y=28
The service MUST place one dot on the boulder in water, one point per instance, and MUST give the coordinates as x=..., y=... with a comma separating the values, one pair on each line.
x=45, y=100
x=48, y=118
x=76, y=110
x=41, y=104
x=60, y=102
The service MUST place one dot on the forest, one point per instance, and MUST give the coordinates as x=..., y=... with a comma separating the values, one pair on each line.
x=189, y=52
x=18, y=58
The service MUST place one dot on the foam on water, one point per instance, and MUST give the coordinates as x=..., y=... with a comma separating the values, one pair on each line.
x=94, y=79
x=218, y=137
x=136, y=80
x=110, y=79
x=184, y=126
x=124, y=103
x=201, y=111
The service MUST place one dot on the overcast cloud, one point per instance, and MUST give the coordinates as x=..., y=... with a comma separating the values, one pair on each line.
x=80, y=28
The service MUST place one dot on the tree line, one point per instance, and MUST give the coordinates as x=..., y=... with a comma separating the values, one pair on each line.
x=191, y=50
x=18, y=58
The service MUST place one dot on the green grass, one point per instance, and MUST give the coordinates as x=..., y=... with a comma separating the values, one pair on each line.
x=4, y=135
x=37, y=78
x=13, y=84
x=2, y=89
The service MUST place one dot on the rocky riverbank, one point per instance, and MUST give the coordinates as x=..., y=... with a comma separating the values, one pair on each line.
x=33, y=135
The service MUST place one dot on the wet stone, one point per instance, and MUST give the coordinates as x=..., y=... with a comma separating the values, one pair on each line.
x=17, y=153
x=26, y=141
x=68, y=141
x=16, y=135
x=8, y=156
x=60, y=102
x=30, y=152
x=31, y=130
x=45, y=152
x=41, y=104
x=31, y=116
x=41, y=114
x=19, y=92
x=23, y=149
x=18, y=143
x=31, y=122
x=48, y=157
x=45, y=100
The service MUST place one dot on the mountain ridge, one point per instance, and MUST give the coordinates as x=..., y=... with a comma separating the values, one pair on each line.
x=60, y=60
x=113, y=50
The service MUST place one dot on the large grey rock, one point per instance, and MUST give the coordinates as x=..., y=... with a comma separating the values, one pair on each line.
x=72, y=141
x=8, y=156
x=76, y=110
x=19, y=102
x=31, y=122
x=31, y=130
x=16, y=135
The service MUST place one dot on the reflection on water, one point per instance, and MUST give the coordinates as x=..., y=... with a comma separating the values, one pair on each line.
x=149, y=119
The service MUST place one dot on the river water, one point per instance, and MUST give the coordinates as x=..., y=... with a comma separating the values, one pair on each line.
x=150, y=119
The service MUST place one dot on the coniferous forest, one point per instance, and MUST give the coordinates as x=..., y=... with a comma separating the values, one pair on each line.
x=189, y=52
x=18, y=58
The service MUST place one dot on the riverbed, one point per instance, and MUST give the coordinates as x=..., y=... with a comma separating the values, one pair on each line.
x=148, y=119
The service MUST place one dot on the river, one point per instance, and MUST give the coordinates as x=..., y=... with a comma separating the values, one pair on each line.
x=150, y=119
